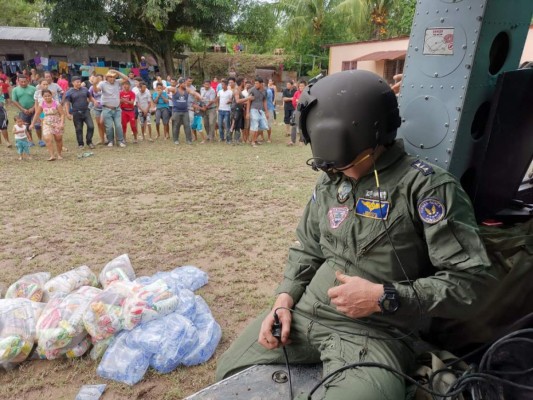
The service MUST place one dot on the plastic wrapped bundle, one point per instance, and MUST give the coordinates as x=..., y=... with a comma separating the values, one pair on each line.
x=187, y=305
x=104, y=316
x=124, y=305
x=99, y=348
x=77, y=348
x=122, y=362
x=189, y=277
x=30, y=287
x=18, y=318
x=181, y=338
x=71, y=280
x=209, y=334
x=118, y=269
x=90, y=392
x=148, y=302
x=148, y=336
x=60, y=326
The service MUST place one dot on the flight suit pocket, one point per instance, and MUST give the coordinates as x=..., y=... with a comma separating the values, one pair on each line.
x=444, y=247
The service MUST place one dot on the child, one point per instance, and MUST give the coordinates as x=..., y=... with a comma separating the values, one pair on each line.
x=53, y=123
x=3, y=121
x=22, y=138
x=127, y=101
x=196, y=126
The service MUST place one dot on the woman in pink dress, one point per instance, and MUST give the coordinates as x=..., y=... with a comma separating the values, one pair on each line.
x=53, y=123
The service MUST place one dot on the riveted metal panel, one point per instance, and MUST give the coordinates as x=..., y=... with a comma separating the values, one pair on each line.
x=456, y=51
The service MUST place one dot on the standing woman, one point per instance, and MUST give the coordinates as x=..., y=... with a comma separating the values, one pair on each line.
x=53, y=123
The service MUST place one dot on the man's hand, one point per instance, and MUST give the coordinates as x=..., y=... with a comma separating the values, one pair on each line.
x=355, y=297
x=285, y=317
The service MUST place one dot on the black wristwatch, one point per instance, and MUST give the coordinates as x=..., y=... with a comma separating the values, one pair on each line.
x=389, y=301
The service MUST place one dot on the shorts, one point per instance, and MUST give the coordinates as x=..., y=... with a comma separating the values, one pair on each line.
x=4, y=121
x=287, y=117
x=26, y=118
x=197, y=123
x=23, y=146
x=6, y=95
x=164, y=114
x=97, y=112
x=258, y=120
x=147, y=119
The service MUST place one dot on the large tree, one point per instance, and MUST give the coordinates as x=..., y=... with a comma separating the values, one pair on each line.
x=20, y=13
x=156, y=26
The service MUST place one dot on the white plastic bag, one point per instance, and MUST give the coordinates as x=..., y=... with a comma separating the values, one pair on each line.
x=118, y=269
x=71, y=280
x=30, y=287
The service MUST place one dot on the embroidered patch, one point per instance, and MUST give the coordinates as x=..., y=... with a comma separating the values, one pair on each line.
x=337, y=215
x=431, y=210
x=375, y=194
x=420, y=165
x=344, y=191
x=370, y=208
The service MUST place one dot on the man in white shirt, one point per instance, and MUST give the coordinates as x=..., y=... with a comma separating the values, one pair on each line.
x=209, y=98
x=144, y=103
x=224, y=97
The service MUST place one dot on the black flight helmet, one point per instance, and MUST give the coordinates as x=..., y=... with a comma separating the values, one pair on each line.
x=345, y=113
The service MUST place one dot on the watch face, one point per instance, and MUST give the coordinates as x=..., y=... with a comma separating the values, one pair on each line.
x=390, y=304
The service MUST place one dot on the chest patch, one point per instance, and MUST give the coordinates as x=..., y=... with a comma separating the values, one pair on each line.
x=376, y=194
x=344, y=191
x=337, y=215
x=431, y=210
x=370, y=208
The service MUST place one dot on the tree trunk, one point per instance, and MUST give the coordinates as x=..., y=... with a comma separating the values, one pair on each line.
x=168, y=63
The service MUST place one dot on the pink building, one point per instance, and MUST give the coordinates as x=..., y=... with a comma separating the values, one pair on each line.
x=386, y=57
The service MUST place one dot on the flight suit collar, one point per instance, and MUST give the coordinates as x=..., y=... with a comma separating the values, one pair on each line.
x=391, y=155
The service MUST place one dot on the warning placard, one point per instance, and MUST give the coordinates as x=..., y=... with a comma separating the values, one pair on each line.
x=438, y=41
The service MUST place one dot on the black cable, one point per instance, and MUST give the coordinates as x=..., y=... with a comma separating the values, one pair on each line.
x=289, y=371
x=487, y=357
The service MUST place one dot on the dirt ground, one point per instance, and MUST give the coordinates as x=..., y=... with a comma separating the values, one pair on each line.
x=230, y=211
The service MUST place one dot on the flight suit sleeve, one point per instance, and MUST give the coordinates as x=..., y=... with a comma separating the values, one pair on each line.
x=306, y=256
x=456, y=251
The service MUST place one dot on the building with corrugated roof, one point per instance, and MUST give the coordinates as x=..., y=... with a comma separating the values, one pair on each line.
x=23, y=44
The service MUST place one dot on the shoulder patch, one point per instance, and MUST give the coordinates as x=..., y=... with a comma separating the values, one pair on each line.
x=423, y=167
x=431, y=210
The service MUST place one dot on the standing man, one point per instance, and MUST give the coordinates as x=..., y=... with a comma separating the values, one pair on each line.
x=209, y=98
x=162, y=110
x=238, y=102
x=5, y=86
x=77, y=109
x=288, y=108
x=85, y=71
x=111, y=113
x=191, y=99
x=180, y=111
x=258, y=109
x=295, y=99
x=375, y=257
x=144, y=103
x=57, y=92
x=23, y=99
x=143, y=68
x=224, y=107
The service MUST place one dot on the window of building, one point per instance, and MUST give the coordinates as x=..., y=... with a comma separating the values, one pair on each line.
x=393, y=67
x=348, y=65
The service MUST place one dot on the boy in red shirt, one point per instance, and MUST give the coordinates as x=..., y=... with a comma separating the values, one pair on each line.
x=127, y=100
x=4, y=87
x=63, y=83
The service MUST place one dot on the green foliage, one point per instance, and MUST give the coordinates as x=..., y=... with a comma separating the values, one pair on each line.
x=162, y=27
x=20, y=13
x=256, y=27
x=401, y=18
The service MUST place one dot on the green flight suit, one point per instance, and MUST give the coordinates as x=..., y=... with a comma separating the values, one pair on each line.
x=431, y=223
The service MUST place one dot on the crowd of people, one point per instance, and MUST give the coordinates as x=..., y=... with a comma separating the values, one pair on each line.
x=242, y=110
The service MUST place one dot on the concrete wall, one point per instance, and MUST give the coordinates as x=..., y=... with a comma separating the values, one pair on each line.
x=73, y=55
x=348, y=52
